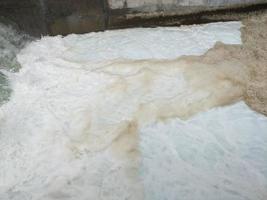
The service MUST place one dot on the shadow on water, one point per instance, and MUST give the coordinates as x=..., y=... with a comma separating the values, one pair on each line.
x=11, y=42
x=5, y=91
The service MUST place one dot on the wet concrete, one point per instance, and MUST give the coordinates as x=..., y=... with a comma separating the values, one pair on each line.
x=25, y=15
x=78, y=16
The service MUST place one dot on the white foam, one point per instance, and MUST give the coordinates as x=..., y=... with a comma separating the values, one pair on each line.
x=136, y=44
x=65, y=111
x=219, y=154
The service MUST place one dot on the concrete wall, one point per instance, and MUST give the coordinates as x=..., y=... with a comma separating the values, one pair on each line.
x=153, y=4
x=41, y=17
x=116, y=4
x=178, y=6
x=132, y=13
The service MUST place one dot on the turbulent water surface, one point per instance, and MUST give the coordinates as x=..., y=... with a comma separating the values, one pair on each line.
x=10, y=44
x=115, y=115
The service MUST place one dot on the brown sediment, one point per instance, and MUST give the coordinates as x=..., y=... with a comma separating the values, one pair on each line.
x=208, y=85
x=254, y=36
x=125, y=148
x=126, y=143
x=252, y=55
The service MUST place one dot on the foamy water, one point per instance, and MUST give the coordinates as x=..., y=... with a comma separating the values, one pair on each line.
x=88, y=118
